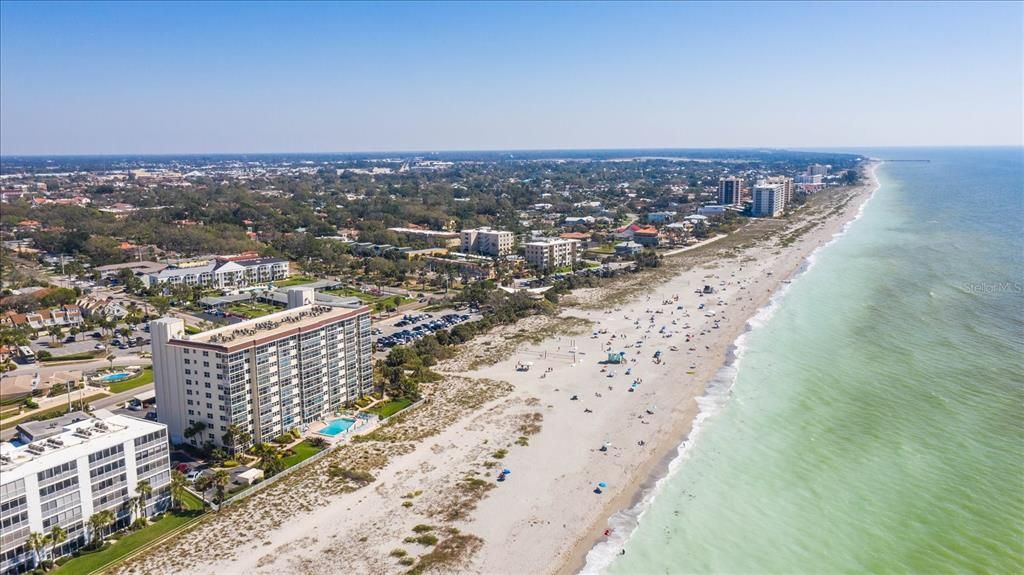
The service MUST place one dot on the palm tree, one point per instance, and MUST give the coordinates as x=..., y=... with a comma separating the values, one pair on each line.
x=111, y=359
x=269, y=458
x=177, y=488
x=98, y=522
x=37, y=542
x=202, y=485
x=54, y=332
x=145, y=490
x=220, y=484
x=57, y=536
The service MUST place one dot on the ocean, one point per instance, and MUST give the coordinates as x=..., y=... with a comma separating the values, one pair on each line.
x=873, y=417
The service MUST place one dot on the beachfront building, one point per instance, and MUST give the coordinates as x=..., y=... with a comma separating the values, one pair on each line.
x=787, y=187
x=223, y=272
x=267, y=375
x=488, y=242
x=63, y=316
x=73, y=468
x=768, y=200
x=552, y=252
x=818, y=169
x=730, y=190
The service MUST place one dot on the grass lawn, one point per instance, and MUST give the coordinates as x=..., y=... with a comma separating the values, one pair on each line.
x=390, y=408
x=251, y=310
x=48, y=413
x=129, y=543
x=192, y=330
x=69, y=357
x=294, y=281
x=144, y=377
x=303, y=451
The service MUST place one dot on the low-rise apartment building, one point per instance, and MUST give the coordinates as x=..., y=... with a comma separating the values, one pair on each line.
x=223, y=272
x=552, y=252
x=83, y=465
x=266, y=375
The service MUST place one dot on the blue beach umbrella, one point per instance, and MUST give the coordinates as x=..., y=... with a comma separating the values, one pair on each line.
x=602, y=485
x=505, y=471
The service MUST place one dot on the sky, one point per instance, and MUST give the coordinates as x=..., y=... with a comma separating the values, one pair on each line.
x=155, y=78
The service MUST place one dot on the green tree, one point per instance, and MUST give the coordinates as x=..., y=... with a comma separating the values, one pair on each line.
x=162, y=304
x=57, y=536
x=220, y=482
x=97, y=523
x=37, y=542
x=177, y=488
x=145, y=490
x=54, y=332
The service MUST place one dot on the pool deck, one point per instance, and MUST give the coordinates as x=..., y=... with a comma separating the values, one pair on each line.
x=360, y=425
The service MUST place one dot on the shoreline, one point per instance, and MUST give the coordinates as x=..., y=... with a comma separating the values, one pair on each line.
x=672, y=450
x=547, y=424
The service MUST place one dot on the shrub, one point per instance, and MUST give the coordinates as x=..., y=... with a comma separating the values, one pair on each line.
x=407, y=504
x=398, y=552
x=426, y=539
x=422, y=528
x=500, y=454
x=283, y=438
x=30, y=404
x=296, y=433
x=229, y=463
x=407, y=561
x=43, y=354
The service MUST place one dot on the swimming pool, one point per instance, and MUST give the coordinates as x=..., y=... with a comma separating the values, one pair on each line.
x=336, y=426
x=115, y=377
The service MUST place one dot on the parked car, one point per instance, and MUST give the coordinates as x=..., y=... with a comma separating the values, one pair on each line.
x=194, y=474
x=151, y=416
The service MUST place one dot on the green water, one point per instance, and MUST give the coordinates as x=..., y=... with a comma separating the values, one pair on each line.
x=876, y=419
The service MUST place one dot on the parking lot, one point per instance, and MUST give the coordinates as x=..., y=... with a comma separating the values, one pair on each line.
x=410, y=327
x=92, y=342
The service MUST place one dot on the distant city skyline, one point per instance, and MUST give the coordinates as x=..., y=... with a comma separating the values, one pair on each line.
x=184, y=78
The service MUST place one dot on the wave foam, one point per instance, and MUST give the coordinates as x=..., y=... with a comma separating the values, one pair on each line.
x=625, y=522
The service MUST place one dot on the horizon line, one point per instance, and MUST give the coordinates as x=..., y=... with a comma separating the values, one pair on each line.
x=507, y=150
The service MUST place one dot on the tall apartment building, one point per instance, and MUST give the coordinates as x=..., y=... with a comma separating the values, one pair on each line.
x=787, y=187
x=70, y=471
x=487, y=242
x=768, y=200
x=552, y=252
x=266, y=375
x=730, y=191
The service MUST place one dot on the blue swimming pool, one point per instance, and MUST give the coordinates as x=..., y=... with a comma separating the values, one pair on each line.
x=336, y=426
x=115, y=377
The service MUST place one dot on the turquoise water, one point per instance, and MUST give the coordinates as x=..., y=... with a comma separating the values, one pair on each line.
x=115, y=377
x=336, y=426
x=874, y=421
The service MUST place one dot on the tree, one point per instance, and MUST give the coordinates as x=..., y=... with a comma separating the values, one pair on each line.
x=162, y=304
x=236, y=438
x=220, y=482
x=177, y=488
x=37, y=542
x=98, y=522
x=270, y=460
x=57, y=536
x=111, y=359
x=145, y=490
x=54, y=332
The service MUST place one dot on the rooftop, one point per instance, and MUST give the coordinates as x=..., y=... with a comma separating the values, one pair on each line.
x=275, y=325
x=76, y=438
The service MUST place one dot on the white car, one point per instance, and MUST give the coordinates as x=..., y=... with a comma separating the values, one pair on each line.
x=193, y=475
x=99, y=346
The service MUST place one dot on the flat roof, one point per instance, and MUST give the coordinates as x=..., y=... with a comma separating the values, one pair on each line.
x=270, y=327
x=74, y=440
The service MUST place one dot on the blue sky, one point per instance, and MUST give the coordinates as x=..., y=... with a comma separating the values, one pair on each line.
x=262, y=77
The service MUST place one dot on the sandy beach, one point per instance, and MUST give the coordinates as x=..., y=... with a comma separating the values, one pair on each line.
x=568, y=423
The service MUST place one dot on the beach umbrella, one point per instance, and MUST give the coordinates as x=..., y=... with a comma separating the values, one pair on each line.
x=505, y=471
x=602, y=485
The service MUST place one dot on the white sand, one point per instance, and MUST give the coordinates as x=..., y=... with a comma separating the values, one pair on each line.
x=545, y=517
